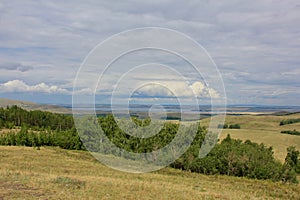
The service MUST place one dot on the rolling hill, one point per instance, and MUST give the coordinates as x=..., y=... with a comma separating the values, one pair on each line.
x=53, y=173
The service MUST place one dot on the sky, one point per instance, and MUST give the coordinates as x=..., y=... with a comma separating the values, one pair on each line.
x=255, y=46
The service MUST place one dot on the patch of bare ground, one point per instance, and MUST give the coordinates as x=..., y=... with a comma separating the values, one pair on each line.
x=11, y=190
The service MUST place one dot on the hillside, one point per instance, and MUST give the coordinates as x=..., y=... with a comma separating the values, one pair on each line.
x=53, y=173
x=34, y=106
x=263, y=129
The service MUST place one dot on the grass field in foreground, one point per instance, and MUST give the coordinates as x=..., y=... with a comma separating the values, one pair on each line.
x=53, y=173
x=263, y=129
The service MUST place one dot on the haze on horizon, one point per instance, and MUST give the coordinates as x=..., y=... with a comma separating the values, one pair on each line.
x=255, y=45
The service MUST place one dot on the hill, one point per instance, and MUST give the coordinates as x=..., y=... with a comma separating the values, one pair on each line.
x=263, y=129
x=53, y=173
x=34, y=106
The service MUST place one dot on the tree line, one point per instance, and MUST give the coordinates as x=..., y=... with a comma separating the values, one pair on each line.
x=230, y=126
x=66, y=139
x=289, y=121
x=289, y=132
x=38, y=120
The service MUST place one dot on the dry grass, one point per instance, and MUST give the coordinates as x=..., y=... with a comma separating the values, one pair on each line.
x=53, y=173
x=263, y=129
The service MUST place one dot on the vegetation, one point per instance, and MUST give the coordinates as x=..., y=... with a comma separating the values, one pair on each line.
x=289, y=121
x=231, y=157
x=294, y=132
x=67, y=139
x=291, y=165
x=262, y=129
x=36, y=120
x=245, y=159
x=231, y=126
x=54, y=173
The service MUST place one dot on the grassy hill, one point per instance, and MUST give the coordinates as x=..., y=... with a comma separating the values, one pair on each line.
x=53, y=173
x=263, y=129
x=33, y=106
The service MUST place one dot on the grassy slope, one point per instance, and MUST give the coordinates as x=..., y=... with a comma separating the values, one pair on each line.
x=52, y=173
x=263, y=129
x=33, y=106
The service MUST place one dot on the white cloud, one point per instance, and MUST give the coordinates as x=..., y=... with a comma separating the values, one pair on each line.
x=178, y=89
x=154, y=90
x=20, y=86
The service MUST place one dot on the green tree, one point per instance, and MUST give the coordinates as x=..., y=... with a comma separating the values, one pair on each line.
x=291, y=165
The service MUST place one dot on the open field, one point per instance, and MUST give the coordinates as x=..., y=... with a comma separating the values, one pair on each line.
x=53, y=173
x=263, y=129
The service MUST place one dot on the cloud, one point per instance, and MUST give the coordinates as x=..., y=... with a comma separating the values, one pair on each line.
x=20, y=86
x=15, y=67
x=177, y=89
x=253, y=43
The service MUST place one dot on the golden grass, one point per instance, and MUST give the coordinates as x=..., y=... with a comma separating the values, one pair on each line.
x=263, y=129
x=53, y=173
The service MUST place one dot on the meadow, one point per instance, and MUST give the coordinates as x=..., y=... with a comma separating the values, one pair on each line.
x=54, y=173
x=263, y=129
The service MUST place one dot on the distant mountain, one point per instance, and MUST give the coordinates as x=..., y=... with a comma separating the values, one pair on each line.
x=34, y=106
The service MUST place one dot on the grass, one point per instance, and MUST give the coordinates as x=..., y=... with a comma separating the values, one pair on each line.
x=53, y=173
x=263, y=129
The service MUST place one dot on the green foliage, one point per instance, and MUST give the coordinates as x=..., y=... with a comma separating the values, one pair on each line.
x=235, y=158
x=65, y=139
x=224, y=126
x=234, y=126
x=230, y=157
x=246, y=159
x=289, y=121
x=291, y=165
x=294, y=132
x=136, y=144
x=37, y=120
x=141, y=122
x=231, y=126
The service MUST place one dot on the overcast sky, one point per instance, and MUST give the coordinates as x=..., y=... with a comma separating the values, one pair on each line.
x=255, y=45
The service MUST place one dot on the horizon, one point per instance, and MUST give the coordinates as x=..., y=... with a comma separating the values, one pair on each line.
x=69, y=105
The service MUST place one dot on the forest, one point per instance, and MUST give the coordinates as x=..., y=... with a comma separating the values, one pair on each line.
x=229, y=157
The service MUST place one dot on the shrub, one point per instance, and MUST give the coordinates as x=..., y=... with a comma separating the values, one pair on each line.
x=234, y=126
x=236, y=158
x=291, y=165
x=288, y=121
x=294, y=132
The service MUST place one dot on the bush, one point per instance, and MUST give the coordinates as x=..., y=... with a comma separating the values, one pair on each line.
x=294, y=132
x=235, y=158
x=288, y=121
x=234, y=126
x=291, y=165
x=231, y=126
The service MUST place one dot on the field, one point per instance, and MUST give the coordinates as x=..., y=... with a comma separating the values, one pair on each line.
x=263, y=129
x=53, y=173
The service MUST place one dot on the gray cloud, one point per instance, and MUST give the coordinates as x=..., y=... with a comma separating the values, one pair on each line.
x=15, y=67
x=256, y=44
